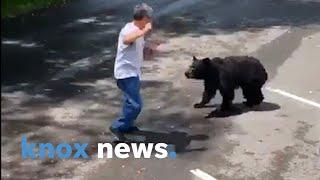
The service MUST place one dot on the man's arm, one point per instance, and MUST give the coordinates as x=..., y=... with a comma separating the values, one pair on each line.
x=130, y=38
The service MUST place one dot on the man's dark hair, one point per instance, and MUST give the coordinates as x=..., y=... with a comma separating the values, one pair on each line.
x=142, y=10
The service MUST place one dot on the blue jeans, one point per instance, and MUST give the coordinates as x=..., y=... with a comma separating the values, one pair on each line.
x=132, y=104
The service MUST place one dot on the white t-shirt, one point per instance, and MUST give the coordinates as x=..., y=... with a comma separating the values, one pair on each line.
x=129, y=57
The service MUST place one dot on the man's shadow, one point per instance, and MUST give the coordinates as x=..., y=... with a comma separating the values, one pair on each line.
x=240, y=108
x=180, y=140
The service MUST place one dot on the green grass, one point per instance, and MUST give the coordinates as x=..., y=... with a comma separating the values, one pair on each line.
x=11, y=8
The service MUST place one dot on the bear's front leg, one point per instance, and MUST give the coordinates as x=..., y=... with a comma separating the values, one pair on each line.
x=228, y=96
x=206, y=97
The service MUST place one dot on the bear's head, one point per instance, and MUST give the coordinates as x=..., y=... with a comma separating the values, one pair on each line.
x=198, y=69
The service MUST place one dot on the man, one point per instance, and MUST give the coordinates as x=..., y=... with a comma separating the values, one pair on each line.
x=127, y=69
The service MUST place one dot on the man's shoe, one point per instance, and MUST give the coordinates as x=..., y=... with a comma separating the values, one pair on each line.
x=117, y=133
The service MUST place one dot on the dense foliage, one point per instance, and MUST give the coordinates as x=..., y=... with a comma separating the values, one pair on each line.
x=11, y=8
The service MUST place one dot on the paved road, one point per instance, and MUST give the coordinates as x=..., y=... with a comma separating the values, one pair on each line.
x=57, y=85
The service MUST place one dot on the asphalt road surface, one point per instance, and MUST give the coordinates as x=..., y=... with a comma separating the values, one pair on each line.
x=57, y=85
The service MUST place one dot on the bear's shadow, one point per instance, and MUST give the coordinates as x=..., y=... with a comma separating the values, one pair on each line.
x=239, y=108
x=180, y=140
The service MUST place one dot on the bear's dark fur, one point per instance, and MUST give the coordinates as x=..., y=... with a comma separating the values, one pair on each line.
x=227, y=74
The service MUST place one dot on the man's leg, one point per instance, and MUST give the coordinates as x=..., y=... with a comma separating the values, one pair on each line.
x=132, y=104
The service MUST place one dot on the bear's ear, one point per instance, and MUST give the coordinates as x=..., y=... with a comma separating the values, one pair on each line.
x=194, y=58
x=206, y=60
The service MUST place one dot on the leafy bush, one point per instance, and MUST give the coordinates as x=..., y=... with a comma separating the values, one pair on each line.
x=11, y=8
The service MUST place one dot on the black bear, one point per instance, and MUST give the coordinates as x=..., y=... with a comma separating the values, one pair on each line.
x=227, y=74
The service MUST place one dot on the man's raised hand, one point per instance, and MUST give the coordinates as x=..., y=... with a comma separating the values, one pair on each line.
x=147, y=27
